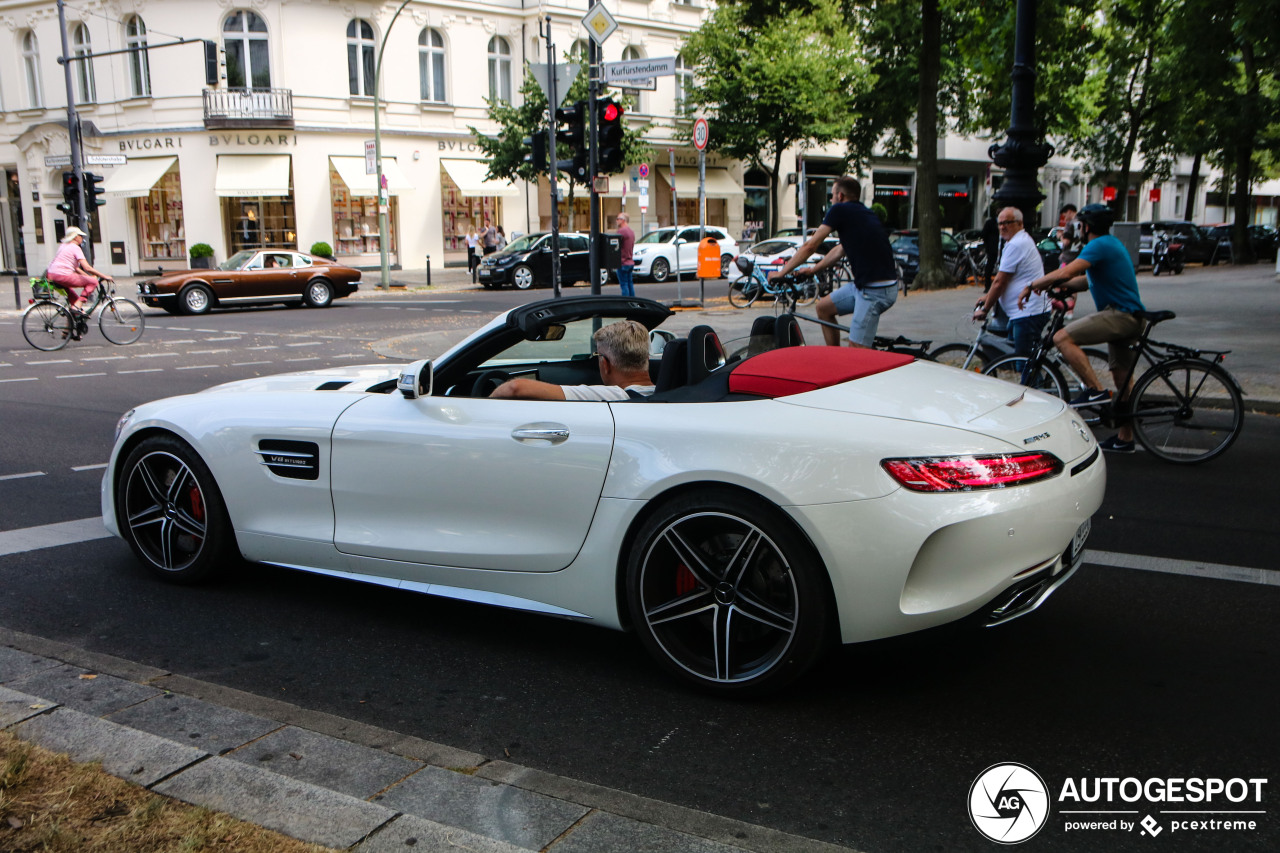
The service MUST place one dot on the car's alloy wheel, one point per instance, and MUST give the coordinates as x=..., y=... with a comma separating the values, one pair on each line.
x=170, y=511
x=725, y=595
x=522, y=277
x=196, y=299
x=319, y=294
x=660, y=270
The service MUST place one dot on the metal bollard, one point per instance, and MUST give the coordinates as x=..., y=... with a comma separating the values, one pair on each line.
x=428, y=270
x=17, y=296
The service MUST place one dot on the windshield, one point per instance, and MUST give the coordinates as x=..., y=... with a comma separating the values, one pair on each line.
x=574, y=345
x=237, y=260
x=524, y=244
x=769, y=247
x=662, y=235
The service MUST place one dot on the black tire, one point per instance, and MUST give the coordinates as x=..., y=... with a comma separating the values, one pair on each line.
x=1047, y=379
x=705, y=557
x=170, y=511
x=522, y=277
x=954, y=355
x=47, y=326
x=196, y=299
x=121, y=321
x=660, y=270
x=1186, y=411
x=319, y=294
x=743, y=292
x=171, y=309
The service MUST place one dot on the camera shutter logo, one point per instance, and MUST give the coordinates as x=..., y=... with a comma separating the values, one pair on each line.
x=1008, y=803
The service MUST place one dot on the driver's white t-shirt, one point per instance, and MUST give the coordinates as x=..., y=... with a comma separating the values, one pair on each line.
x=603, y=392
x=1021, y=260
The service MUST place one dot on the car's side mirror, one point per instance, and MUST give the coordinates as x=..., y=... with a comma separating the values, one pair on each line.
x=415, y=380
x=547, y=248
x=658, y=340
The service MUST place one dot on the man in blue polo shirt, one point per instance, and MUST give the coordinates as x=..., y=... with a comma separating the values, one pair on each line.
x=874, y=288
x=1105, y=269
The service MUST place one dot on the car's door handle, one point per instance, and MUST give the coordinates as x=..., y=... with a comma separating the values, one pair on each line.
x=550, y=433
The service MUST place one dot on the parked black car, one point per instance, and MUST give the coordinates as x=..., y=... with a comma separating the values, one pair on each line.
x=1262, y=239
x=906, y=251
x=526, y=262
x=1197, y=244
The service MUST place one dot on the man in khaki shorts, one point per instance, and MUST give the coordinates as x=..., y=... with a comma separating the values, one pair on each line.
x=1105, y=269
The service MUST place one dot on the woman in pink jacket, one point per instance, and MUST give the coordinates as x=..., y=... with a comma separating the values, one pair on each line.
x=70, y=269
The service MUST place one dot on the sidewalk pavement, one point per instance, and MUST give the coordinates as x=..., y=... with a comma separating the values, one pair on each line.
x=328, y=780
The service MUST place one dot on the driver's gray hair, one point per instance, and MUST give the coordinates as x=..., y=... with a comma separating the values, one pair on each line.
x=626, y=343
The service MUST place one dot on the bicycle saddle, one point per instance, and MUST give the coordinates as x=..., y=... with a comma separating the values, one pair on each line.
x=1154, y=317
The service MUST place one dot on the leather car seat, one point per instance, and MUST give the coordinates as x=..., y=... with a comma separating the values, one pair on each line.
x=674, y=369
x=706, y=353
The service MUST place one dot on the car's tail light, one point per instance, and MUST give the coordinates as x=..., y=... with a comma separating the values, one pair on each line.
x=967, y=473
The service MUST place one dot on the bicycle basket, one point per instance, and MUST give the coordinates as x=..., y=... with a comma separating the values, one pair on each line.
x=745, y=264
x=42, y=288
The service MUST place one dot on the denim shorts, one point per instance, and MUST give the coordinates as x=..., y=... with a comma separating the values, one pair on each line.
x=866, y=305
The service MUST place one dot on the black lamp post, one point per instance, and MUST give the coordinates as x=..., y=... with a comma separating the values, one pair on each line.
x=1023, y=152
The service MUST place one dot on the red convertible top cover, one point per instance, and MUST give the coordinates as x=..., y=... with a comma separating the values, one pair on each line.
x=795, y=370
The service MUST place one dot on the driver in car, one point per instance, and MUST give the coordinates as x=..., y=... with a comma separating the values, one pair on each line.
x=622, y=353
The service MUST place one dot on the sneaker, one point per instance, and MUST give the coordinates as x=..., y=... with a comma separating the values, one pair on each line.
x=1115, y=444
x=1090, y=397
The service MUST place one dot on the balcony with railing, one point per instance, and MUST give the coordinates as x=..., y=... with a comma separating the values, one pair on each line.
x=248, y=108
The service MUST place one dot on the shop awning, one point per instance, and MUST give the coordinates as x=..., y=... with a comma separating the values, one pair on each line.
x=136, y=178
x=351, y=170
x=251, y=175
x=469, y=176
x=719, y=183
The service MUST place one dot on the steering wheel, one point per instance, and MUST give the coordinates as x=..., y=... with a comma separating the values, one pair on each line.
x=486, y=383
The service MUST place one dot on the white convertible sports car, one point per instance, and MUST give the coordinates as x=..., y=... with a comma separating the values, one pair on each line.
x=754, y=510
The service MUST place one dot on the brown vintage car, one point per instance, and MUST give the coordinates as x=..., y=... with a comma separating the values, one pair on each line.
x=252, y=277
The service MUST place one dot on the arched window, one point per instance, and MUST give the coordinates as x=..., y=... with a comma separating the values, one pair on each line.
x=431, y=65
x=499, y=69
x=135, y=39
x=629, y=54
x=578, y=52
x=244, y=35
x=31, y=64
x=684, y=81
x=86, y=91
x=360, y=57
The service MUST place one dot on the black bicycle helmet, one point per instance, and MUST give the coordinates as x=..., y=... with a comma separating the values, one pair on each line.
x=1098, y=217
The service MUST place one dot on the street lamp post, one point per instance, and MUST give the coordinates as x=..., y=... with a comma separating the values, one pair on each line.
x=1022, y=153
x=385, y=280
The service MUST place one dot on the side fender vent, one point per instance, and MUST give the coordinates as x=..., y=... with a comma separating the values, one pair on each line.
x=296, y=460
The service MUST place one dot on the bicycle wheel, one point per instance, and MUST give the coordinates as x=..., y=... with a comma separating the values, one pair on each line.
x=743, y=292
x=47, y=326
x=1047, y=378
x=1186, y=410
x=121, y=321
x=805, y=292
x=957, y=355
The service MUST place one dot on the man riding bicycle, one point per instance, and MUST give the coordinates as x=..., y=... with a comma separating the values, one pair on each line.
x=1105, y=269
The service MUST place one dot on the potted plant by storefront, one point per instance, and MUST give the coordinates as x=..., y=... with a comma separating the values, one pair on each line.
x=201, y=256
x=322, y=249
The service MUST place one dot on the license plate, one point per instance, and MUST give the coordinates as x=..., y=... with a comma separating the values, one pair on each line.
x=485, y=273
x=1077, y=542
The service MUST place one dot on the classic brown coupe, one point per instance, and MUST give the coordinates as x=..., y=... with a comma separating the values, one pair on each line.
x=252, y=277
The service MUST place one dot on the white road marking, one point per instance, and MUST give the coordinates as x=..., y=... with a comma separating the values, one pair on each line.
x=20, y=379
x=182, y=341
x=198, y=367
x=179, y=328
x=310, y=358
x=304, y=344
x=272, y=346
x=54, y=361
x=78, y=375
x=6, y=364
x=210, y=331
x=105, y=358
x=247, y=363
x=98, y=467
x=1215, y=571
x=206, y=351
x=144, y=370
x=22, y=476
x=156, y=355
x=51, y=535
x=231, y=338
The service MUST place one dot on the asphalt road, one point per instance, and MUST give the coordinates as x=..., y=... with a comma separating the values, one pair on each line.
x=1123, y=673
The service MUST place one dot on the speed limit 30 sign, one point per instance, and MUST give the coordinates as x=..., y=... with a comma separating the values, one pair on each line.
x=701, y=130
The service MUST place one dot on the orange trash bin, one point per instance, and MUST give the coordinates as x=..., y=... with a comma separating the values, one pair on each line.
x=709, y=258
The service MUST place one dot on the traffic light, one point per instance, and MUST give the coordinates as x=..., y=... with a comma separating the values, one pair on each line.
x=573, y=135
x=535, y=148
x=210, y=63
x=609, y=133
x=92, y=192
x=70, y=196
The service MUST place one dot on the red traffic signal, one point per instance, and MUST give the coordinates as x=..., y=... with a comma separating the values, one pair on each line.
x=611, y=111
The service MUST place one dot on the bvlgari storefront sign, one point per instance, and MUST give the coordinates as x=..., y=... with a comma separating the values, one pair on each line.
x=258, y=140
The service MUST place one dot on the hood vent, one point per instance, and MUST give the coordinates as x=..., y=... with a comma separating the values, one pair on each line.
x=296, y=460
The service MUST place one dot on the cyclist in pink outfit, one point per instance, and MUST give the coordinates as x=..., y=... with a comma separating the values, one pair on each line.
x=70, y=269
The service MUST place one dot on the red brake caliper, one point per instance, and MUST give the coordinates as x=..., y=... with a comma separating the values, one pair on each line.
x=197, y=504
x=685, y=581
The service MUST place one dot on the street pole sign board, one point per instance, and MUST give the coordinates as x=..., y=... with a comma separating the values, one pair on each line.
x=639, y=69
x=566, y=73
x=701, y=132
x=599, y=23
x=371, y=157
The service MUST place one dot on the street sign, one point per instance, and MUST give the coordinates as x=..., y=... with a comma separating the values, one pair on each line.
x=643, y=170
x=639, y=69
x=701, y=132
x=566, y=73
x=371, y=157
x=1155, y=194
x=602, y=184
x=105, y=159
x=649, y=84
x=599, y=23
x=57, y=160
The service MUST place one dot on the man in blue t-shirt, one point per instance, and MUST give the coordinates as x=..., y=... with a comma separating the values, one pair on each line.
x=1106, y=270
x=863, y=241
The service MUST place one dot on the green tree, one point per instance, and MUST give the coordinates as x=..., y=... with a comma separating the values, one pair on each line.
x=767, y=84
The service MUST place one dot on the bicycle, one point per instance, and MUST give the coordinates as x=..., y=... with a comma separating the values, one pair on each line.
x=754, y=283
x=1185, y=408
x=49, y=324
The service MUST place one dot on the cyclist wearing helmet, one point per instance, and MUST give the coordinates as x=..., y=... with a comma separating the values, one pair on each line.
x=1105, y=269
